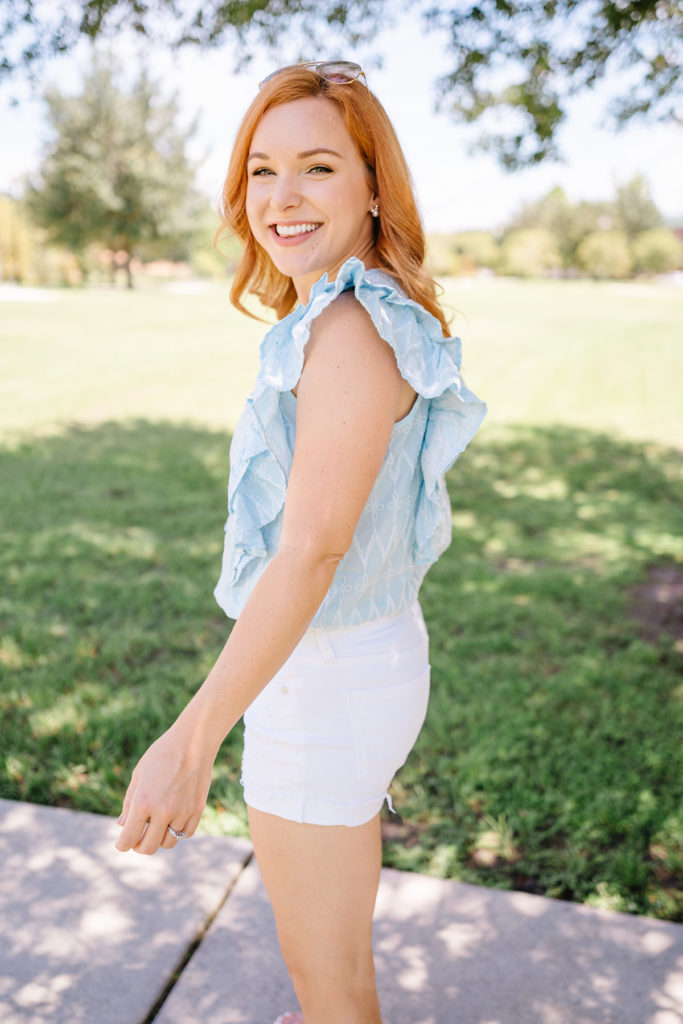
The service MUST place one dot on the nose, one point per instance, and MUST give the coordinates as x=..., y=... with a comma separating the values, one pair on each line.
x=285, y=194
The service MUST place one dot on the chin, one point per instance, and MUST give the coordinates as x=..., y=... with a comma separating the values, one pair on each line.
x=297, y=267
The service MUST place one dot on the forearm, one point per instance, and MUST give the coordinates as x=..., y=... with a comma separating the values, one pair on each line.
x=276, y=616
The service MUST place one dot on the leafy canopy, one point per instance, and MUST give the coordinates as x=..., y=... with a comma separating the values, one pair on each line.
x=520, y=58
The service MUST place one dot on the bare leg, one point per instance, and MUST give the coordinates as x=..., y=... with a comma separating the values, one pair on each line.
x=322, y=882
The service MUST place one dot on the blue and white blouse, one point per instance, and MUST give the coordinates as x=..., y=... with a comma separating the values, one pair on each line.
x=406, y=523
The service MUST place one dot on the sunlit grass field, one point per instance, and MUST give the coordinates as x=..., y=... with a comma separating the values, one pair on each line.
x=551, y=759
x=603, y=356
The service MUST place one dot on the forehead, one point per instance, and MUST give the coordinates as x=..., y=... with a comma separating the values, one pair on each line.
x=303, y=124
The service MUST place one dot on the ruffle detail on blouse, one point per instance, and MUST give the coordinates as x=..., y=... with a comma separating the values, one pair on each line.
x=259, y=467
x=428, y=361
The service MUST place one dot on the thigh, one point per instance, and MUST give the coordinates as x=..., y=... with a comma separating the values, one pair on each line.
x=322, y=882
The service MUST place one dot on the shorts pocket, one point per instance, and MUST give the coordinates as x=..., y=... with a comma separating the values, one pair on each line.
x=386, y=721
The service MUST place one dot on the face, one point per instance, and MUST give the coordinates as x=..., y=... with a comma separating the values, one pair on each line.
x=308, y=192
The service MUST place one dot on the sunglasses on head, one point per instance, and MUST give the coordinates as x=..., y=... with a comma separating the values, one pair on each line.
x=339, y=72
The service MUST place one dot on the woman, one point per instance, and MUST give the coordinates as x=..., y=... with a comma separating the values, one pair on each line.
x=337, y=507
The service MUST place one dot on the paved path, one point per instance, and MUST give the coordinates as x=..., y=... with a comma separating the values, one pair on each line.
x=90, y=936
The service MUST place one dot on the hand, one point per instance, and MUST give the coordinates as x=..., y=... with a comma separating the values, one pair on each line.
x=169, y=786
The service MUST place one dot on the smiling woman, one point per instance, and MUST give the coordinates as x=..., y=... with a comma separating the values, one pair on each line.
x=337, y=507
x=397, y=232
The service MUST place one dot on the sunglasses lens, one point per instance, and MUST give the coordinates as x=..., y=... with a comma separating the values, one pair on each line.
x=338, y=72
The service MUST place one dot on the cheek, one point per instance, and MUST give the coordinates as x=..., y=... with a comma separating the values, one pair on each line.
x=251, y=210
x=356, y=203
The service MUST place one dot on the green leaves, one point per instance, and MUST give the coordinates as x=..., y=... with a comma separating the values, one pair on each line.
x=519, y=62
x=516, y=63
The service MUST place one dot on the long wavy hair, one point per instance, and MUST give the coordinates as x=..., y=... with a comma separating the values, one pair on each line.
x=399, y=235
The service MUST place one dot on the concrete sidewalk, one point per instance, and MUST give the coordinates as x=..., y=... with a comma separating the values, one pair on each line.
x=90, y=936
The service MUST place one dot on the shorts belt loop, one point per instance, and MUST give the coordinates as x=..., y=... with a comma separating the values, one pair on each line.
x=324, y=644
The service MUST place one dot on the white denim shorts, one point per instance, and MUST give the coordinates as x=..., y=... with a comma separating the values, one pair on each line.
x=325, y=737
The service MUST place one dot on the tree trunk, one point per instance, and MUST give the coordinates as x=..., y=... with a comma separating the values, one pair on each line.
x=129, y=273
x=83, y=268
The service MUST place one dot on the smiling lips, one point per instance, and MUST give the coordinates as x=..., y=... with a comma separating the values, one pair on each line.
x=294, y=230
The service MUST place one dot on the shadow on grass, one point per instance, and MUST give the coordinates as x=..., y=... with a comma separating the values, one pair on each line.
x=112, y=545
x=548, y=761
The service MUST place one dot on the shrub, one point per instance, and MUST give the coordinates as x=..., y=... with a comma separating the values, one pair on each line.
x=56, y=267
x=656, y=251
x=529, y=252
x=605, y=254
x=440, y=255
x=474, y=250
x=16, y=242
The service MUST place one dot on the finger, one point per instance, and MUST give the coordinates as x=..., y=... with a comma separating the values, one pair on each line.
x=129, y=796
x=192, y=823
x=121, y=820
x=153, y=837
x=169, y=840
x=133, y=832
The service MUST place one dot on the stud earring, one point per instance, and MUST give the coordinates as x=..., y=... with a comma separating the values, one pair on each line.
x=374, y=210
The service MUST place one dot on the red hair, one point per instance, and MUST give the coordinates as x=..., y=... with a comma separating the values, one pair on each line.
x=399, y=236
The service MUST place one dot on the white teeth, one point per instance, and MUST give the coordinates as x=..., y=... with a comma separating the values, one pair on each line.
x=287, y=230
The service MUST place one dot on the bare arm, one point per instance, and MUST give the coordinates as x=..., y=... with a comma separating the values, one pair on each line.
x=347, y=402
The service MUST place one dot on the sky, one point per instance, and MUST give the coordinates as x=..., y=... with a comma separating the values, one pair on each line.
x=456, y=189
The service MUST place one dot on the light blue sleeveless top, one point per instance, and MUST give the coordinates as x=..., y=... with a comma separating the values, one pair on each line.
x=406, y=523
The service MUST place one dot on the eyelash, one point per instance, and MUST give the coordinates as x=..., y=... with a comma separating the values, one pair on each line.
x=261, y=172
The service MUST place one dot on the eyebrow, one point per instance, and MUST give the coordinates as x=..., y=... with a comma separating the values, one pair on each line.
x=300, y=156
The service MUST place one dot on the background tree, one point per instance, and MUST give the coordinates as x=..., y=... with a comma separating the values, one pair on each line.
x=525, y=58
x=630, y=221
x=604, y=238
x=634, y=207
x=556, y=214
x=116, y=171
x=567, y=222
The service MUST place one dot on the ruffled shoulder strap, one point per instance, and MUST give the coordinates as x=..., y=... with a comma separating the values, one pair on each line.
x=427, y=360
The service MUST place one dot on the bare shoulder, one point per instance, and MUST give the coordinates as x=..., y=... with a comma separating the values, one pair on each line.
x=344, y=339
x=345, y=329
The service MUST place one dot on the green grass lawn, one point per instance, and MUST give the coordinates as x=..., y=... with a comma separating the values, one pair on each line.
x=550, y=760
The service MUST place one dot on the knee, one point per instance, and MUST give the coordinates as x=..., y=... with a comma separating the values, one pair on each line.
x=324, y=971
